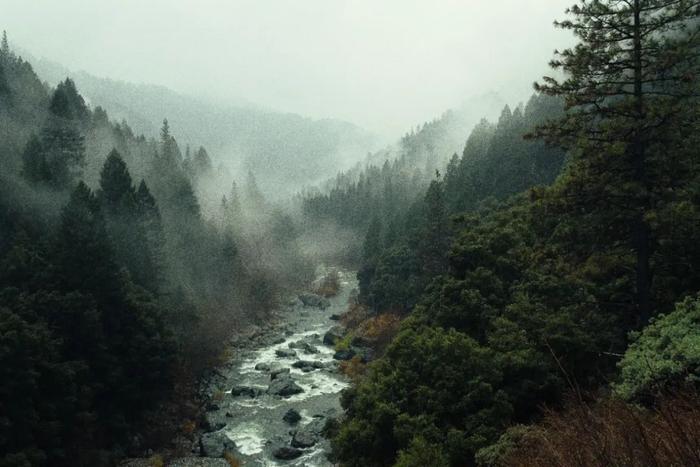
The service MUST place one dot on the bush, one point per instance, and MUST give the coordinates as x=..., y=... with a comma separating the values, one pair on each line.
x=421, y=453
x=380, y=330
x=353, y=368
x=613, y=432
x=666, y=353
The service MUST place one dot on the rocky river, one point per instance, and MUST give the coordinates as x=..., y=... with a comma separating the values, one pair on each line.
x=269, y=404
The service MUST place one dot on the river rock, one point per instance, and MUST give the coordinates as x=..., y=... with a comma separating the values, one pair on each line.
x=213, y=422
x=344, y=354
x=334, y=317
x=262, y=367
x=284, y=387
x=196, y=462
x=285, y=353
x=215, y=444
x=292, y=416
x=304, y=439
x=286, y=453
x=305, y=346
x=333, y=335
x=307, y=365
x=278, y=372
x=313, y=300
x=248, y=391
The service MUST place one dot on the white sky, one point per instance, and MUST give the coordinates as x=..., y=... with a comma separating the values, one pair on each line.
x=383, y=64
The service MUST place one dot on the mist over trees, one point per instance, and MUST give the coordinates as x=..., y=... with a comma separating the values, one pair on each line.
x=115, y=285
x=512, y=303
x=527, y=281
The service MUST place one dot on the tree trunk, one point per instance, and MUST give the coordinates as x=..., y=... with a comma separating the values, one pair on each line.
x=641, y=233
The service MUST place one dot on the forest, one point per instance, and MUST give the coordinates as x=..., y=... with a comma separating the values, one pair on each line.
x=530, y=300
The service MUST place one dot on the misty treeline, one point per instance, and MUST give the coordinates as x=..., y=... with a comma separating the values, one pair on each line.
x=120, y=279
x=546, y=279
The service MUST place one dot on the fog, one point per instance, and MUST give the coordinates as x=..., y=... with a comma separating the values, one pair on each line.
x=384, y=65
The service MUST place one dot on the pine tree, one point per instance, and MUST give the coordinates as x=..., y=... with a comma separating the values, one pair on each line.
x=83, y=252
x=202, y=162
x=4, y=87
x=116, y=190
x=4, y=46
x=627, y=90
x=254, y=197
x=67, y=103
x=434, y=243
x=34, y=166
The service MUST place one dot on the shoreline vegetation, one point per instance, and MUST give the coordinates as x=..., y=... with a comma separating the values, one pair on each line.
x=532, y=299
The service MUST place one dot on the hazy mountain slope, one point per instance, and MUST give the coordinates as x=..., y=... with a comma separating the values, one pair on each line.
x=284, y=150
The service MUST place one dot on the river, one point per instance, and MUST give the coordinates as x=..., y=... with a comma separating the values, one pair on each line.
x=243, y=409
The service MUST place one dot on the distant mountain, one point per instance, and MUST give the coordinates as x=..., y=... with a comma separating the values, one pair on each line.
x=284, y=150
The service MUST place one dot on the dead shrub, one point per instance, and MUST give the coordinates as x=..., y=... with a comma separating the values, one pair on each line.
x=380, y=330
x=354, y=316
x=614, y=433
x=231, y=459
x=353, y=368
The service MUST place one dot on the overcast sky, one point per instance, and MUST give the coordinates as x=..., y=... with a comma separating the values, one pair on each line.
x=383, y=64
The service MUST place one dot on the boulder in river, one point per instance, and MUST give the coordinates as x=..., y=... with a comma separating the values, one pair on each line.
x=286, y=453
x=278, y=372
x=285, y=353
x=303, y=345
x=248, y=391
x=333, y=335
x=304, y=439
x=195, y=462
x=308, y=365
x=215, y=444
x=262, y=367
x=292, y=416
x=284, y=387
x=313, y=300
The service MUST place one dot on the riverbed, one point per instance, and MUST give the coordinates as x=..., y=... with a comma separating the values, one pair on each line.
x=248, y=407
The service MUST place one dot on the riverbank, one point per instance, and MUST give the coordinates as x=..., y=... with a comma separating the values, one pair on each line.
x=268, y=404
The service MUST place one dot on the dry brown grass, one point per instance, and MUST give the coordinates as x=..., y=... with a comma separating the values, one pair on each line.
x=614, y=433
x=354, y=316
x=380, y=330
x=353, y=368
x=231, y=459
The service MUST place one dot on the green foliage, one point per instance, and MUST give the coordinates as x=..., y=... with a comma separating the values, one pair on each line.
x=103, y=293
x=421, y=453
x=399, y=402
x=665, y=354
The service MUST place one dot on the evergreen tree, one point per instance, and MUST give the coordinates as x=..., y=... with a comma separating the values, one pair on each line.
x=627, y=91
x=4, y=87
x=4, y=46
x=116, y=190
x=34, y=166
x=149, y=216
x=83, y=252
x=202, y=162
x=254, y=197
x=435, y=242
x=66, y=103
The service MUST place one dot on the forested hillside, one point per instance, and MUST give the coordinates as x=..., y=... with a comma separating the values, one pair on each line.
x=116, y=293
x=284, y=150
x=525, y=275
x=519, y=290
